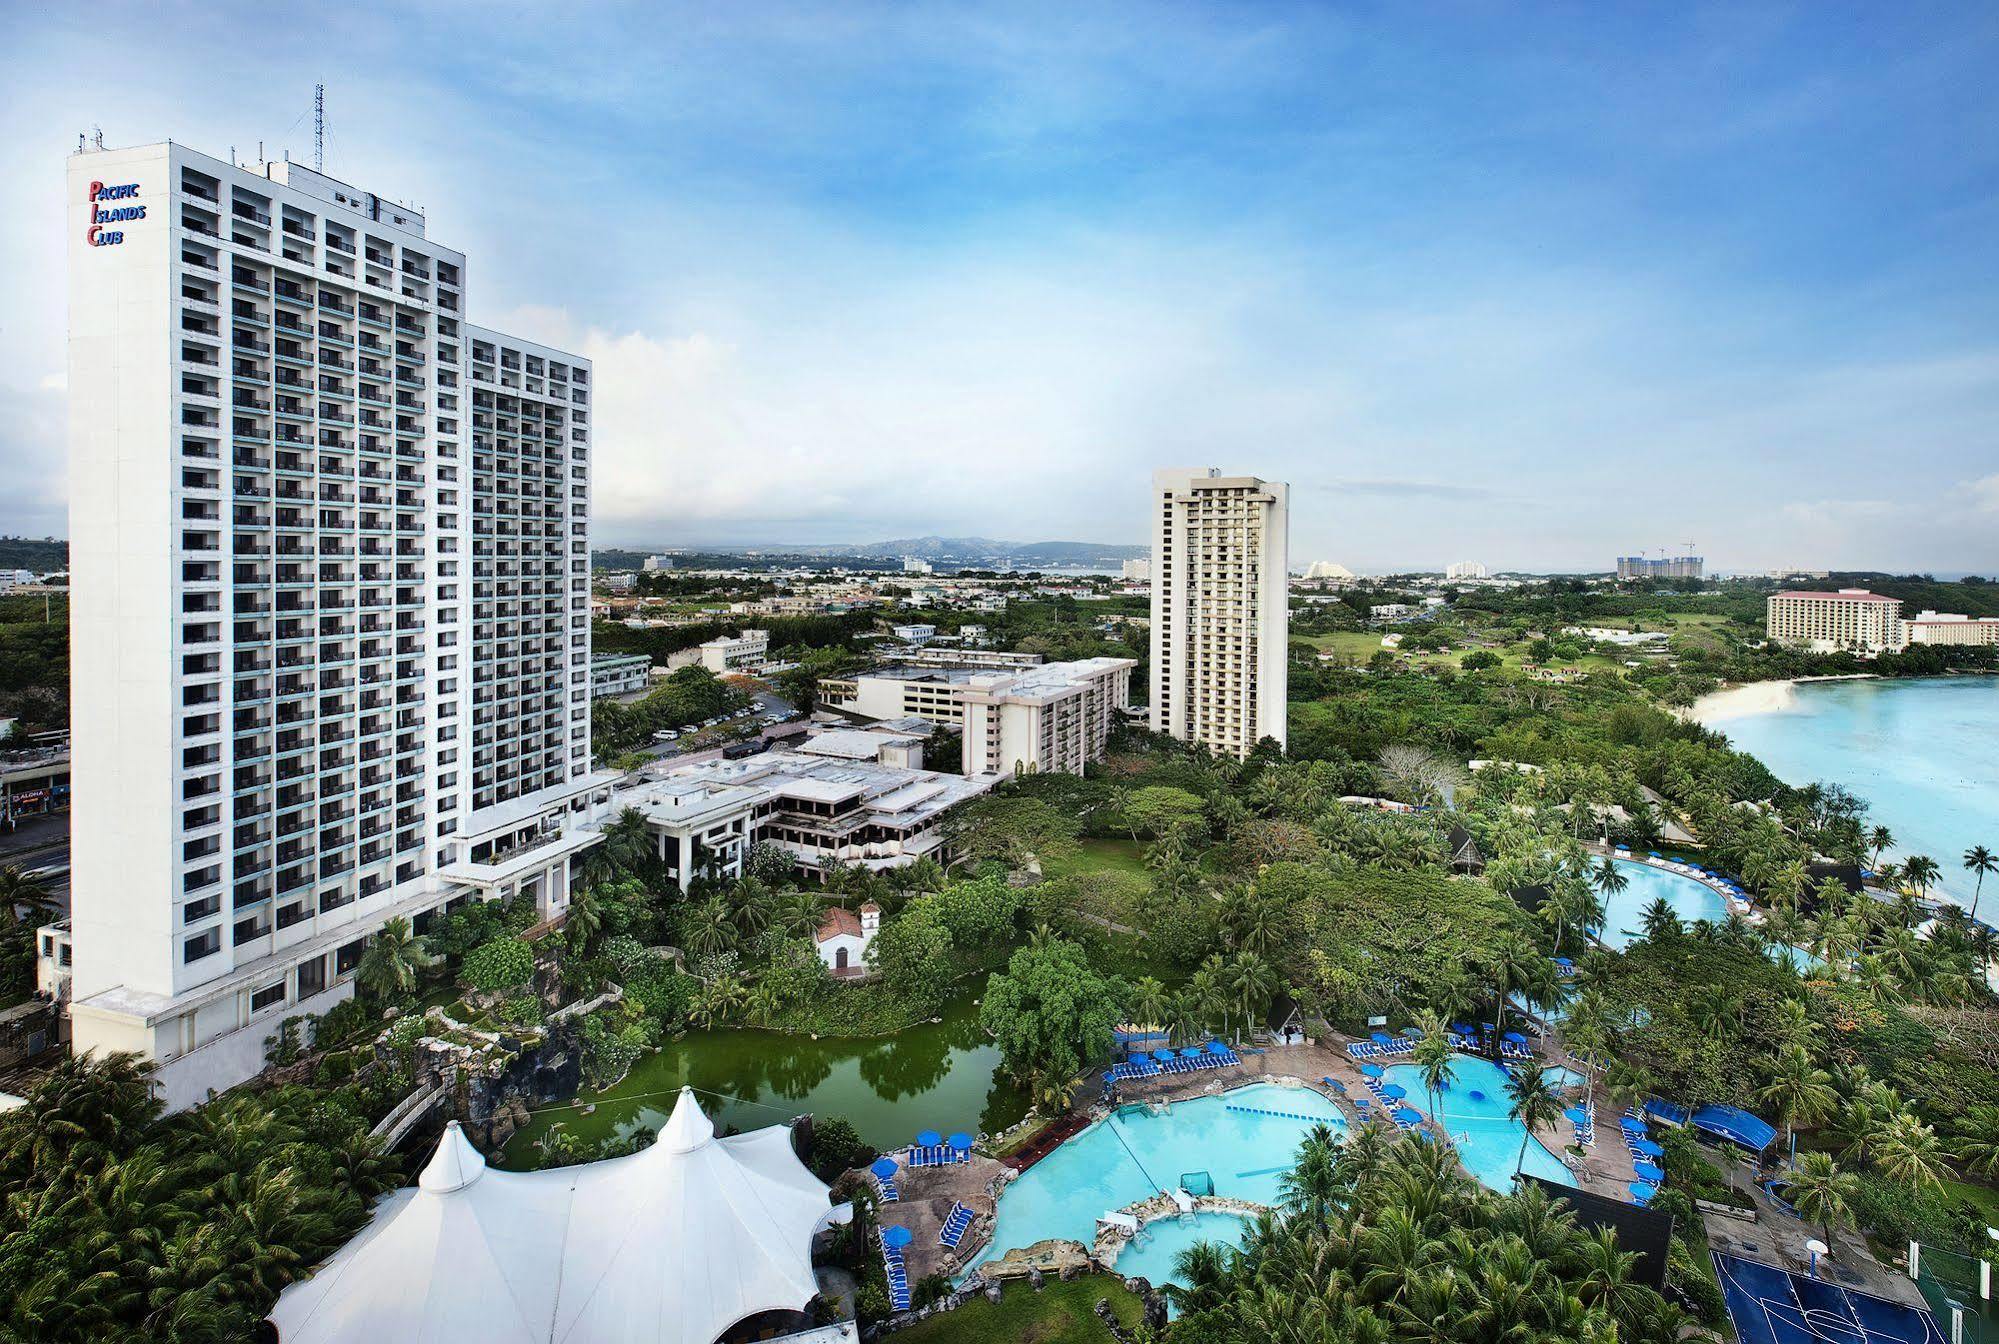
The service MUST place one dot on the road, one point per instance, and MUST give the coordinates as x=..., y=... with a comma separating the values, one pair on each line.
x=708, y=742
x=41, y=843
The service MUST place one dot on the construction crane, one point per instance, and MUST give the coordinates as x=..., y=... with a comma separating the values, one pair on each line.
x=319, y=128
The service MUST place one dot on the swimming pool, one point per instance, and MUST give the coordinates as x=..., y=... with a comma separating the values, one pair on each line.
x=1244, y=1140
x=1474, y=1115
x=1151, y=1255
x=1624, y=911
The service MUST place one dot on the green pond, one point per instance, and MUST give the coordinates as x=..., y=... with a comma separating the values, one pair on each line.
x=937, y=1075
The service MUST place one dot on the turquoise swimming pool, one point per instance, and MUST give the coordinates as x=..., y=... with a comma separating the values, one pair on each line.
x=1474, y=1115
x=1243, y=1140
x=1151, y=1255
x=1624, y=911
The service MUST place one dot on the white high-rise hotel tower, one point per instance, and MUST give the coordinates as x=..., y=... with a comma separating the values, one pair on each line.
x=330, y=632
x=1221, y=615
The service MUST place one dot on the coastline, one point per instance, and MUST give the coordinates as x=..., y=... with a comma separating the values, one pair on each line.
x=1758, y=697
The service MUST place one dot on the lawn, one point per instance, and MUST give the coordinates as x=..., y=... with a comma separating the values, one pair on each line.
x=1061, y=1313
x=1101, y=856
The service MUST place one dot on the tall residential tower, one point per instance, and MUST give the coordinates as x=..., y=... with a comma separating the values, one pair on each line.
x=1220, y=608
x=330, y=630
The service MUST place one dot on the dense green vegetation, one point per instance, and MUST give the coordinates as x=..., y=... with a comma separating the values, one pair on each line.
x=34, y=662
x=1388, y=1239
x=1060, y=1313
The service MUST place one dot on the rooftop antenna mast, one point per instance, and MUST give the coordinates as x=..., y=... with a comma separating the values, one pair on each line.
x=319, y=128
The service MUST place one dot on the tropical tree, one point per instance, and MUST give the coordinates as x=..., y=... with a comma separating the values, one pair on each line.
x=1822, y=1193
x=1660, y=921
x=1909, y=1151
x=1978, y=1139
x=1920, y=871
x=627, y=849
x=19, y=893
x=1799, y=1092
x=1979, y=861
x=1535, y=1105
x=1150, y=1003
x=1878, y=841
x=1432, y=1058
x=393, y=963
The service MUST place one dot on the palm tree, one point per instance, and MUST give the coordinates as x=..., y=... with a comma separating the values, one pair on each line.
x=1312, y=1182
x=1910, y=1152
x=394, y=961
x=1822, y=1193
x=1978, y=1139
x=1149, y=1002
x=1536, y=1105
x=628, y=847
x=1432, y=1056
x=706, y=926
x=1920, y=871
x=1878, y=841
x=1799, y=1092
x=1979, y=861
x=1660, y=921
x=18, y=890
x=585, y=921
x=1250, y=982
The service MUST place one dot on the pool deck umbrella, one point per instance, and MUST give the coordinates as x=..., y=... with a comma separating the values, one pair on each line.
x=1647, y=1172
x=1371, y=1070
x=1161, y=1056
x=1395, y=1091
x=1217, y=1048
x=1631, y=1124
x=897, y=1236
x=1576, y=1115
x=1192, y=1052
x=1516, y=1038
x=928, y=1138
x=1407, y=1115
x=1381, y=1038
x=961, y=1143
x=1644, y=1190
x=1649, y=1148
x=884, y=1167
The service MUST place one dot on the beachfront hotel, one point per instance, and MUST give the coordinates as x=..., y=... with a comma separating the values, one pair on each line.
x=1859, y=621
x=330, y=632
x=1220, y=608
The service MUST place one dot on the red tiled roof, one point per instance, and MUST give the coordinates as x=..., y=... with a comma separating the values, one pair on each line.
x=838, y=921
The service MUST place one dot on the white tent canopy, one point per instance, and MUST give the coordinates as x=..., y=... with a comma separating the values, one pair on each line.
x=671, y=1245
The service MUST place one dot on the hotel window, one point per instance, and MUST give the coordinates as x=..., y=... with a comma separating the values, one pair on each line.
x=263, y=998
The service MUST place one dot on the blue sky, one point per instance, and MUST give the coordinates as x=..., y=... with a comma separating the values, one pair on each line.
x=1528, y=285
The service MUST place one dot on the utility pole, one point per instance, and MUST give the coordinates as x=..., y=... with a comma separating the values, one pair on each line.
x=319, y=128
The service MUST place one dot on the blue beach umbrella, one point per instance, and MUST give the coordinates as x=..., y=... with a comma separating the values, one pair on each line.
x=1516, y=1038
x=1643, y=1190
x=1649, y=1148
x=1651, y=853
x=1395, y=1091
x=960, y=1143
x=1162, y=1055
x=1647, y=1172
x=884, y=1167
x=1382, y=1038
x=897, y=1236
x=1217, y=1048
x=1192, y=1052
x=1576, y=1115
x=929, y=1138
x=1371, y=1070
x=1405, y=1115
x=1631, y=1124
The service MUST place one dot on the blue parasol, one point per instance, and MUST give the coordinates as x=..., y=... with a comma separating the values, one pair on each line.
x=897, y=1236
x=1162, y=1055
x=1371, y=1070
x=1643, y=1190
x=929, y=1138
x=1649, y=1148
x=1217, y=1048
x=1192, y=1052
x=1647, y=1172
x=1631, y=1124
x=1516, y=1038
x=1576, y=1115
x=1382, y=1038
x=884, y=1167
x=1395, y=1091
x=961, y=1143
x=1405, y=1115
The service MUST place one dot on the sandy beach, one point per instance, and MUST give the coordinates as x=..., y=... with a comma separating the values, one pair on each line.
x=1756, y=697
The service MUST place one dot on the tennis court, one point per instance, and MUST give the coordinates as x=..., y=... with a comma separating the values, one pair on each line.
x=1773, y=1306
